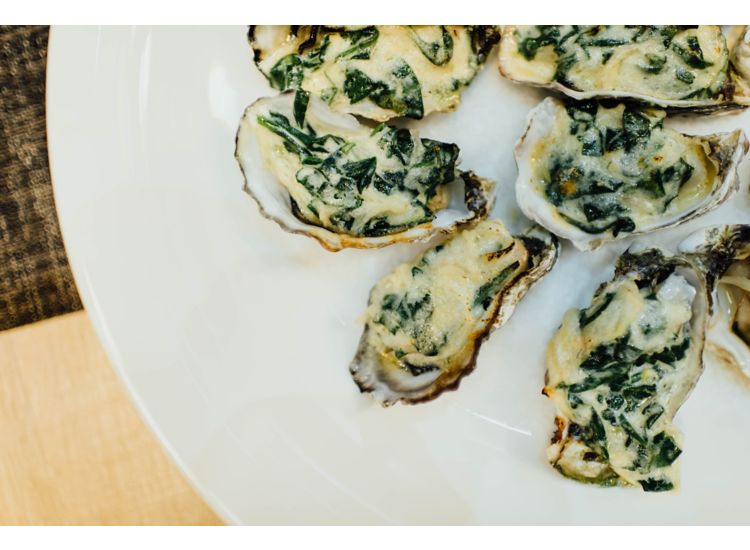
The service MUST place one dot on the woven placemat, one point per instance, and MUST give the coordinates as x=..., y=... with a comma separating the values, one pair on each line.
x=35, y=280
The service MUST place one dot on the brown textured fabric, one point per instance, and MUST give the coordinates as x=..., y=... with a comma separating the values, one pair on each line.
x=35, y=280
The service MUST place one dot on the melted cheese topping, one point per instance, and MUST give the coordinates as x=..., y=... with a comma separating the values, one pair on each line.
x=617, y=373
x=395, y=46
x=357, y=182
x=667, y=63
x=425, y=316
x=618, y=170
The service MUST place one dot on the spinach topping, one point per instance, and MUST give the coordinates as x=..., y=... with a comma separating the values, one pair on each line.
x=400, y=88
x=439, y=52
x=693, y=54
x=672, y=47
x=654, y=63
x=589, y=315
x=403, y=95
x=489, y=290
x=336, y=174
x=362, y=41
x=548, y=36
x=301, y=100
x=628, y=402
x=289, y=71
x=591, y=195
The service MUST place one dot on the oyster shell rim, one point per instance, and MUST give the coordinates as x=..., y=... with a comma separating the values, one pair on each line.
x=479, y=198
x=649, y=262
x=483, y=38
x=676, y=107
x=530, y=202
x=714, y=248
x=544, y=250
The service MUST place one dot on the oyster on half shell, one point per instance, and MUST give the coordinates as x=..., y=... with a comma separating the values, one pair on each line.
x=688, y=68
x=619, y=370
x=325, y=175
x=594, y=172
x=378, y=72
x=723, y=252
x=427, y=319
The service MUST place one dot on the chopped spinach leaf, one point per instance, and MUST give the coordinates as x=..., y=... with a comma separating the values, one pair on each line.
x=361, y=40
x=301, y=99
x=439, y=52
x=488, y=291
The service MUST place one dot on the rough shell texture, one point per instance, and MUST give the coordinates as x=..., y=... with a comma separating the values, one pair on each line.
x=472, y=197
x=715, y=249
x=726, y=149
x=739, y=85
x=543, y=250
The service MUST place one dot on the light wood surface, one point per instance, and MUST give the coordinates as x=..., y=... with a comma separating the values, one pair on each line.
x=73, y=449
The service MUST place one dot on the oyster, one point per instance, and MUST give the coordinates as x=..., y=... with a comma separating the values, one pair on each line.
x=427, y=319
x=619, y=370
x=594, y=172
x=324, y=175
x=723, y=252
x=379, y=72
x=694, y=68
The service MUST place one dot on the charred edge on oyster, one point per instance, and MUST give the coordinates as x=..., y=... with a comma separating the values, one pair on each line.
x=543, y=249
x=722, y=253
x=717, y=250
x=483, y=39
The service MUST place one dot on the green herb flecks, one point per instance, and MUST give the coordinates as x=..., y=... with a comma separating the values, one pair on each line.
x=439, y=52
x=403, y=96
x=488, y=291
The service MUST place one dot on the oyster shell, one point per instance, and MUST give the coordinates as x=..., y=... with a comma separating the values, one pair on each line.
x=619, y=370
x=596, y=172
x=324, y=175
x=696, y=69
x=723, y=252
x=378, y=72
x=427, y=319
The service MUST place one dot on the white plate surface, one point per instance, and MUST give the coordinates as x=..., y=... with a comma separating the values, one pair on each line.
x=234, y=337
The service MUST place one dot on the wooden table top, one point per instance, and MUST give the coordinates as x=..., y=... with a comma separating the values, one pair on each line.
x=74, y=449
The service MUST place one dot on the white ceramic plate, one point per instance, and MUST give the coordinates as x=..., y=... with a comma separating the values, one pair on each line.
x=235, y=337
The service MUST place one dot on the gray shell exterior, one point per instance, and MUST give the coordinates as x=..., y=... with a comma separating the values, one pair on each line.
x=714, y=250
x=544, y=250
x=737, y=90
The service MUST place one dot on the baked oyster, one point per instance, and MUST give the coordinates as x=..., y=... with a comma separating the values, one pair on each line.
x=324, y=175
x=427, y=319
x=619, y=370
x=593, y=172
x=723, y=252
x=696, y=68
x=378, y=72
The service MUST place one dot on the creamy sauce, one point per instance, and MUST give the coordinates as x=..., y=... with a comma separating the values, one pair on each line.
x=439, y=85
x=424, y=317
x=617, y=373
x=357, y=184
x=618, y=170
x=667, y=63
